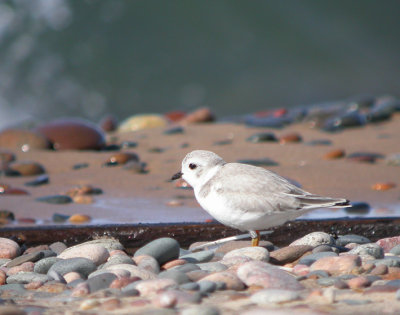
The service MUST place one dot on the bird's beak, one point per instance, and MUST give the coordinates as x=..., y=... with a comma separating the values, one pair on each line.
x=177, y=175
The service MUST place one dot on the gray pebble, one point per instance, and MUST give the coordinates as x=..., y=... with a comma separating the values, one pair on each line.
x=118, y=259
x=52, y=274
x=55, y=199
x=58, y=247
x=33, y=257
x=81, y=265
x=186, y=267
x=190, y=286
x=212, y=266
x=318, y=273
x=43, y=265
x=268, y=296
x=390, y=261
x=101, y=281
x=163, y=250
x=372, y=249
x=326, y=282
x=351, y=238
x=199, y=257
x=108, y=243
x=395, y=250
x=27, y=277
x=310, y=259
x=322, y=248
x=179, y=276
x=355, y=302
x=206, y=287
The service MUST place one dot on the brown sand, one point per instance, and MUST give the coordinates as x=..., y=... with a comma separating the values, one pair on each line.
x=132, y=198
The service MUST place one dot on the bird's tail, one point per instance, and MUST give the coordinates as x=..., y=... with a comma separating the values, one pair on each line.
x=315, y=201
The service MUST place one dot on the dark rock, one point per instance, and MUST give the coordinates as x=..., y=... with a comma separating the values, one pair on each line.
x=317, y=142
x=162, y=249
x=40, y=180
x=6, y=215
x=367, y=157
x=55, y=199
x=259, y=162
x=81, y=265
x=33, y=257
x=206, y=287
x=80, y=166
x=262, y=137
x=23, y=140
x=101, y=281
x=59, y=217
x=346, y=120
x=358, y=207
x=351, y=238
x=26, y=168
x=52, y=274
x=174, y=130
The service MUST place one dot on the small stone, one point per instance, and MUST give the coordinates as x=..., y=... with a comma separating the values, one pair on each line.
x=255, y=253
x=6, y=215
x=262, y=137
x=314, y=239
x=38, y=181
x=118, y=259
x=351, y=238
x=309, y=259
x=289, y=254
x=173, y=263
x=54, y=275
x=290, y=138
x=123, y=282
x=365, y=157
x=186, y=267
x=176, y=275
x=359, y=282
x=334, y=154
x=121, y=158
x=33, y=257
x=138, y=122
x=26, y=168
x=96, y=253
x=267, y=276
x=100, y=281
x=337, y=265
x=162, y=249
x=58, y=247
x=27, y=277
x=80, y=166
x=230, y=279
x=200, y=115
x=372, y=249
x=199, y=257
x=24, y=267
x=235, y=261
x=206, y=286
x=2, y=277
x=147, y=287
x=379, y=270
x=72, y=276
x=79, y=218
x=8, y=248
x=388, y=243
x=319, y=142
x=147, y=262
x=55, y=199
x=383, y=186
x=268, y=296
x=134, y=271
x=174, y=130
x=108, y=123
x=81, y=265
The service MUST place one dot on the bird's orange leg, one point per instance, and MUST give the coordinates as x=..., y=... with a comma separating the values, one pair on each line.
x=255, y=240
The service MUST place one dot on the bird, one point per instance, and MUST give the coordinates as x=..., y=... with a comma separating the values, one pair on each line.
x=247, y=197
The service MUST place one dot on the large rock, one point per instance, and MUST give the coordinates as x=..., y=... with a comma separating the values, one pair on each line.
x=162, y=249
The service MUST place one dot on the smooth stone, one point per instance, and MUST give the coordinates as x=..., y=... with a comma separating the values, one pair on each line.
x=395, y=250
x=73, y=134
x=365, y=157
x=25, y=267
x=288, y=254
x=334, y=154
x=372, y=249
x=327, y=281
x=54, y=275
x=59, y=217
x=292, y=137
x=319, y=142
x=359, y=282
x=147, y=262
x=186, y=267
x=134, y=271
x=259, y=162
x=235, y=261
x=262, y=137
x=265, y=122
x=119, y=283
x=120, y=273
x=96, y=253
x=318, y=274
x=206, y=286
x=379, y=270
x=178, y=276
x=314, y=239
x=308, y=260
x=108, y=243
x=23, y=140
x=352, y=238
x=79, y=218
x=337, y=265
x=38, y=181
x=33, y=257
x=118, y=259
x=174, y=130
x=190, y=286
x=196, y=275
x=268, y=296
x=42, y=266
x=393, y=261
x=223, y=142
x=108, y=123
x=162, y=249
x=212, y=266
x=58, y=247
x=255, y=252
x=121, y=158
x=173, y=263
x=79, y=166
x=383, y=186
x=199, y=257
x=8, y=248
x=382, y=111
x=55, y=199
x=358, y=207
x=142, y=121
x=101, y=281
x=388, y=243
x=230, y=279
x=27, y=277
x=200, y=310
x=147, y=287
x=26, y=168
x=262, y=274
x=81, y=265
x=346, y=120
x=16, y=287
x=322, y=248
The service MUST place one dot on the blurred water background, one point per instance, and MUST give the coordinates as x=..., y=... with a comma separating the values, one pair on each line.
x=89, y=58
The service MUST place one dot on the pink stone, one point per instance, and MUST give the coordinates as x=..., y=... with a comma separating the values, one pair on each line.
x=96, y=253
x=173, y=263
x=230, y=279
x=337, y=265
x=8, y=248
x=25, y=267
x=235, y=261
x=359, y=282
x=147, y=262
x=301, y=270
x=148, y=287
x=267, y=276
x=117, y=252
x=388, y=243
x=72, y=276
x=134, y=271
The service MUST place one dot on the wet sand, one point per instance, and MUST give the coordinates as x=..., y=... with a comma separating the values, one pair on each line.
x=130, y=197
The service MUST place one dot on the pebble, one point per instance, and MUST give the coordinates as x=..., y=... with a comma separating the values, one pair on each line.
x=142, y=121
x=174, y=130
x=212, y=266
x=383, y=186
x=268, y=296
x=147, y=287
x=148, y=263
x=308, y=260
x=26, y=168
x=24, y=267
x=81, y=265
x=73, y=134
x=38, y=181
x=200, y=115
x=33, y=257
x=55, y=199
x=322, y=248
x=388, y=243
x=79, y=218
x=262, y=137
x=265, y=122
x=199, y=257
x=351, y=238
x=79, y=166
x=8, y=248
x=178, y=276
x=72, y=276
x=315, y=142
x=108, y=123
x=334, y=154
x=358, y=282
x=101, y=281
x=23, y=140
x=118, y=259
x=230, y=279
x=372, y=249
x=134, y=271
x=293, y=137
x=365, y=157
x=314, y=239
x=59, y=217
x=393, y=261
x=206, y=286
x=200, y=310
x=120, y=283
x=187, y=267
x=162, y=249
x=262, y=274
x=96, y=253
x=108, y=243
x=27, y=277
x=255, y=253
x=121, y=158
x=338, y=265
x=289, y=254
x=58, y=247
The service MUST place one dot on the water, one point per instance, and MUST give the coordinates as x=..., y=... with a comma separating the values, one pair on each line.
x=89, y=58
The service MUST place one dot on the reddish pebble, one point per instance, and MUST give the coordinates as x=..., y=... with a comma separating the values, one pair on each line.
x=198, y=116
x=15, y=191
x=173, y=263
x=379, y=270
x=27, y=168
x=79, y=218
x=2, y=277
x=108, y=123
x=359, y=282
x=85, y=200
x=82, y=289
x=26, y=221
x=72, y=276
x=123, y=282
x=301, y=270
x=25, y=267
x=383, y=186
x=388, y=243
x=33, y=285
x=174, y=203
x=290, y=138
x=116, y=252
x=122, y=158
x=8, y=248
x=175, y=116
x=338, y=265
x=334, y=154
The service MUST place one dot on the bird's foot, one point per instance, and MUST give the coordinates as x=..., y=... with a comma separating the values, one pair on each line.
x=255, y=238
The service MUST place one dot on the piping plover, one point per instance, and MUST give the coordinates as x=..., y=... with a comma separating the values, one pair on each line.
x=247, y=197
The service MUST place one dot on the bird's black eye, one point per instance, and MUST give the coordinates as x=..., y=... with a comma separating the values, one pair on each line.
x=192, y=166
